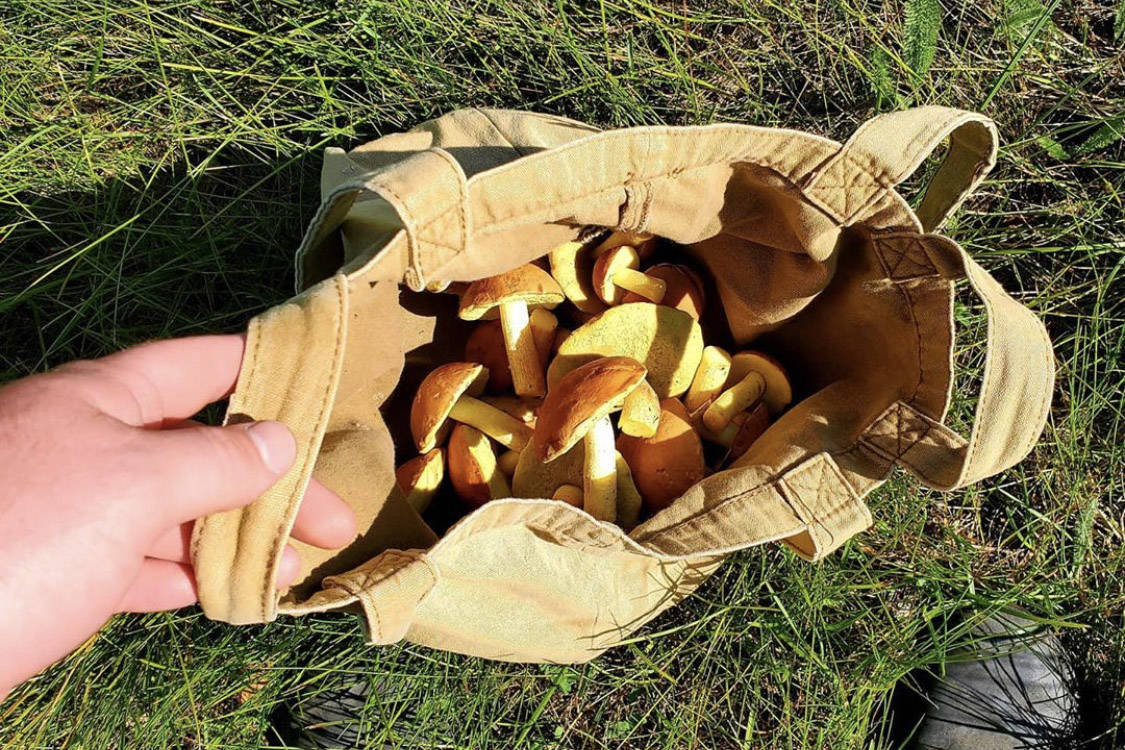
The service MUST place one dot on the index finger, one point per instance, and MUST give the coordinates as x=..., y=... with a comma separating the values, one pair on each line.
x=152, y=383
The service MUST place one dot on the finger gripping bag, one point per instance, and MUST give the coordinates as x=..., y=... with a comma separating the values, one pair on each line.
x=814, y=255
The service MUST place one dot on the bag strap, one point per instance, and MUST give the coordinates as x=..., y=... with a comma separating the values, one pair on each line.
x=294, y=348
x=890, y=147
x=1015, y=394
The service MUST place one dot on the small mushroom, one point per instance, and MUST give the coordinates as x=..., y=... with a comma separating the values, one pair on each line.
x=572, y=266
x=472, y=467
x=750, y=427
x=665, y=465
x=448, y=393
x=485, y=345
x=629, y=500
x=640, y=414
x=561, y=335
x=778, y=392
x=420, y=477
x=710, y=377
x=643, y=242
x=667, y=341
x=543, y=326
x=513, y=293
x=738, y=398
x=507, y=462
x=578, y=408
x=683, y=289
x=569, y=494
x=615, y=273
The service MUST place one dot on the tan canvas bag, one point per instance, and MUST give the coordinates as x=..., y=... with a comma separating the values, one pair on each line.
x=816, y=258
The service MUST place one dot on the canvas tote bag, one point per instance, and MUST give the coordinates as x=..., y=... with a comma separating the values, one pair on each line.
x=816, y=258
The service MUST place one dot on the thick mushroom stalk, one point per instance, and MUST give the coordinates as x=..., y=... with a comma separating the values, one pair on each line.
x=498, y=425
x=599, y=472
x=714, y=368
x=615, y=273
x=512, y=294
x=449, y=393
x=738, y=398
x=578, y=408
x=519, y=342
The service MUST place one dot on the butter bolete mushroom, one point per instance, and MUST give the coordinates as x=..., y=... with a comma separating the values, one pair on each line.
x=665, y=465
x=778, y=391
x=710, y=377
x=615, y=273
x=507, y=462
x=683, y=289
x=738, y=398
x=643, y=242
x=420, y=477
x=578, y=408
x=449, y=393
x=472, y=467
x=512, y=293
x=629, y=499
x=572, y=265
x=640, y=414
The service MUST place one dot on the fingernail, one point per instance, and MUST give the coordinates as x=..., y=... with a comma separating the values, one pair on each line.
x=275, y=445
x=288, y=568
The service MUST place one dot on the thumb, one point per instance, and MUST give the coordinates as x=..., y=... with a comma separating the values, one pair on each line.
x=202, y=470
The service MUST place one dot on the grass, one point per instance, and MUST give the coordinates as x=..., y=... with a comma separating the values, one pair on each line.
x=158, y=162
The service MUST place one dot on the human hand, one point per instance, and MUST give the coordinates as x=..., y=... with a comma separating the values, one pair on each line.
x=104, y=475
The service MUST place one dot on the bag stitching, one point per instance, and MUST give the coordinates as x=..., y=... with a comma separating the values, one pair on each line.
x=309, y=456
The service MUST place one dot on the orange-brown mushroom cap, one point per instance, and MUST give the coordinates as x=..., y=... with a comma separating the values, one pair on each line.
x=436, y=396
x=580, y=398
x=665, y=465
x=529, y=284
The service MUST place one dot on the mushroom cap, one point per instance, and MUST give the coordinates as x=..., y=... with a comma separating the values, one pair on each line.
x=779, y=392
x=428, y=466
x=607, y=265
x=528, y=283
x=683, y=289
x=472, y=464
x=751, y=425
x=665, y=465
x=581, y=398
x=667, y=341
x=486, y=346
x=436, y=396
x=572, y=266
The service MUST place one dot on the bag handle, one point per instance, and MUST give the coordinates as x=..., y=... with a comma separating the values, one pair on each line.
x=294, y=347
x=1015, y=394
x=890, y=147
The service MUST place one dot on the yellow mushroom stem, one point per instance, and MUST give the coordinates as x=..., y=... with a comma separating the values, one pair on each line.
x=569, y=494
x=519, y=341
x=498, y=425
x=711, y=375
x=628, y=497
x=599, y=471
x=640, y=412
x=421, y=486
x=739, y=397
x=507, y=462
x=649, y=287
x=543, y=324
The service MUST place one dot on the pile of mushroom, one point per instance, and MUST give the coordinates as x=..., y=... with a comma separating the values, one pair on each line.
x=531, y=410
